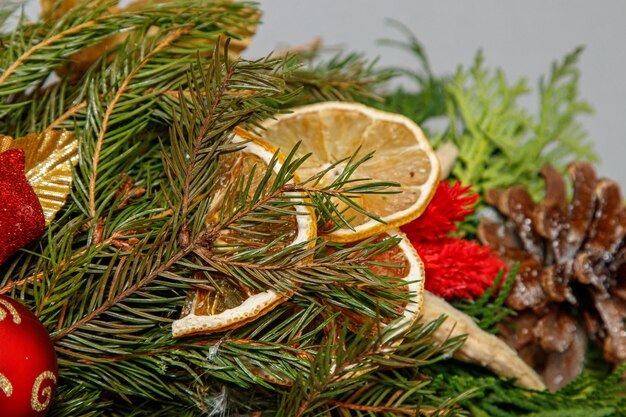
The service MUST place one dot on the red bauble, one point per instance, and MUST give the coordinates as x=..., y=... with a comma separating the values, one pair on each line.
x=21, y=215
x=28, y=363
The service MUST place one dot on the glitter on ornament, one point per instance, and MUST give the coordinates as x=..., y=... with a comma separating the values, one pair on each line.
x=21, y=215
x=49, y=156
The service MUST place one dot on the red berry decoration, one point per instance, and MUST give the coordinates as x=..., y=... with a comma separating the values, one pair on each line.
x=28, y=363
x=21, y=215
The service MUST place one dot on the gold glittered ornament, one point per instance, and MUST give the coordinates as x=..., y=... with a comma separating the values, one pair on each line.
x=49, y=160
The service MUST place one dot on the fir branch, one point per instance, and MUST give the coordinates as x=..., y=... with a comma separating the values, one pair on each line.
x=343, y=76
x=339, y=366
x=201, y=137
x=65, y=116
x=387, y=409
x=143, y=262
x=118, y=298
x=111, y=106
x=56, y=43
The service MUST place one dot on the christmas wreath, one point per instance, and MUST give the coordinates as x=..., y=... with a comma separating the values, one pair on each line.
x=184, y=232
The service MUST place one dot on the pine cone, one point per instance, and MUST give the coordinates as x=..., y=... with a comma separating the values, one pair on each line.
x=571, y=282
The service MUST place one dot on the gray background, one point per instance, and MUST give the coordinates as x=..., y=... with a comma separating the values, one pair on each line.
x=522, y=37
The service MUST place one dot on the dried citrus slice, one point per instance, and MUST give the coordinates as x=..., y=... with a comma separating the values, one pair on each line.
x=228, y=303
x=333, y=131
x=402, y=262
x=401, y=267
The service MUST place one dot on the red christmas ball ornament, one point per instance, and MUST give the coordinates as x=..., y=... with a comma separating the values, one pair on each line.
x=28, y=363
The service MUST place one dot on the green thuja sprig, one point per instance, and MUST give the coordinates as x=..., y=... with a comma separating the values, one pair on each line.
x=500, y=143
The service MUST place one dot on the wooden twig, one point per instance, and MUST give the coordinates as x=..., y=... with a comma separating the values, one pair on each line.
x=385, y=409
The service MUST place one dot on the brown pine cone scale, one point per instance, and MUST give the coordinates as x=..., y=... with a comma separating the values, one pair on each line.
x=571, y=281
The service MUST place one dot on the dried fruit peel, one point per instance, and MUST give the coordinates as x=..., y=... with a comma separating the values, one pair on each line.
x=415, y=284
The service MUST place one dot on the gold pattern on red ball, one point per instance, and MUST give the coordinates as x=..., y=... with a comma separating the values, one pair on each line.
x=28, y=363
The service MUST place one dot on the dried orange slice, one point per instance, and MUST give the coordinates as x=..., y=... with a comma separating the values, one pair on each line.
x=228, y=303
x=402, y=262
x=333, y=131
x=401, y=267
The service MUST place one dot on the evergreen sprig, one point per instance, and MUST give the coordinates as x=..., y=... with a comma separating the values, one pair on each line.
x=587, y=395
x=155, y=121
x=422, y=94
x=342, y=76
x=500, y=143
x=359, y=374
x=32, y=51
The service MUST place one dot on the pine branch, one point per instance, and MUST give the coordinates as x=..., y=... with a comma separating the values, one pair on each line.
x=343, y=76
x=111, y=106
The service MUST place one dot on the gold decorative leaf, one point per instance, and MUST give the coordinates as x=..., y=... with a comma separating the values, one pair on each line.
x=49, y=159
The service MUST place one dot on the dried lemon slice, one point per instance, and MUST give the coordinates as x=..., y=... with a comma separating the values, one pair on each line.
x=229, y=303
x=333, y=131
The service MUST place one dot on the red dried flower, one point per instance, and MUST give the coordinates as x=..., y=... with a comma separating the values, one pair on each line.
x=455, y=268
x=458, y=268
x=449, y=205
